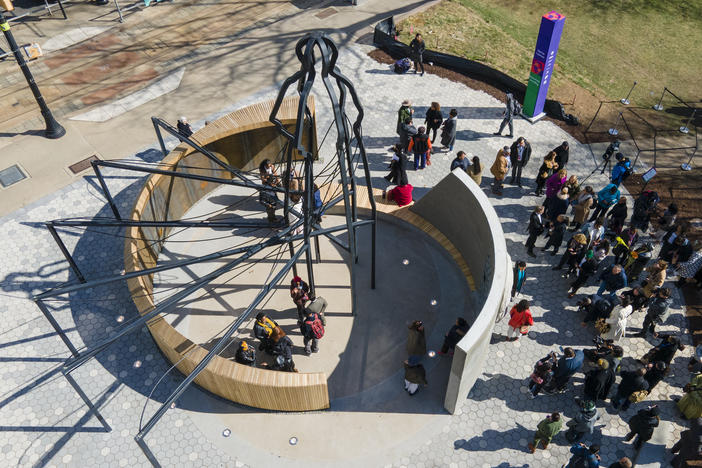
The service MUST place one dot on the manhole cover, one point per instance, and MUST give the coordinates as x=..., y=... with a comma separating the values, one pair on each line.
x=82, y=165
x=326, y=13
x=11, y=175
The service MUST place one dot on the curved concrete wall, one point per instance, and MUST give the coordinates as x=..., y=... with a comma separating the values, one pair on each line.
x=243, y=139
x=458, y=208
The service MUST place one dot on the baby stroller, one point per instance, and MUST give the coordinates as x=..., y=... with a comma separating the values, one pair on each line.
x=402, y=66
x=637, y=259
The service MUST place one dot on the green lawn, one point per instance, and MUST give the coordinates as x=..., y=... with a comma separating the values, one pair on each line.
x=606, y=44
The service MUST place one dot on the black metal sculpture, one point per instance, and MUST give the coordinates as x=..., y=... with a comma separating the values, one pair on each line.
x=312, y=51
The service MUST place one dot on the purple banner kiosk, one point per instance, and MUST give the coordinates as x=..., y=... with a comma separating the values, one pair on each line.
x=542, y=64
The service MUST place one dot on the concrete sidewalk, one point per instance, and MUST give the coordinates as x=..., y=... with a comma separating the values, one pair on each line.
x=223, y=60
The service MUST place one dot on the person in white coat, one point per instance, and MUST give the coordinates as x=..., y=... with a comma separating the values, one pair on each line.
x=617, y=320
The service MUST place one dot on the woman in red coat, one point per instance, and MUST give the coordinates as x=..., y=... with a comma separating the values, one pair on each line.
x=520, y=316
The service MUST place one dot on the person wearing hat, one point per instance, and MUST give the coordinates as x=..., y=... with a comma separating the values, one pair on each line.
x=583, y=423
x=612, y=280
x=245, y=354
x=415, y=375
x=405, y=112
x=545, y=431
x=642, y=425
x=562, y=153
x=184, y=127
x=420, y=145
x=499, y=169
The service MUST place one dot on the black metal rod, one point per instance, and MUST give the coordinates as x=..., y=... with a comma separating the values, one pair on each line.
x=57, y=328
x=145, y=448
x=105, y=189
x=221, y=343
x=131, y=223
x=53, y=129
x=157, y=129
x=65, y=252
x=292, y=254
x=87, y=401
x=187, y=175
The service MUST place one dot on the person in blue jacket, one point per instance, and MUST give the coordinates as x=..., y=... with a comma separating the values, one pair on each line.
x=567, y=366
x=606, y=198
x=621, y=169
x=584, y=456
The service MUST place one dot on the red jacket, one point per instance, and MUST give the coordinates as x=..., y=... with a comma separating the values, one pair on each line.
x=402, y=194
x=519, y=319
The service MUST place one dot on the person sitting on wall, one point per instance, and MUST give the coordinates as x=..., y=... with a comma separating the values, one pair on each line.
x=454, y=335
x=245, y=354
x=402, y=194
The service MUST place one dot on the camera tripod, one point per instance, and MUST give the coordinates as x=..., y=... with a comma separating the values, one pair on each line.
x=605, y=166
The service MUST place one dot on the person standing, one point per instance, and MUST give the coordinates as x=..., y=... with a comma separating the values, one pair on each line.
x=584, y=456
x=581, y=208
x=585, y=270
x=476, y=171
x=433, y=120
x=454, y=335
x=655, y=279
x=566, y=367
x=623, y=462
x=612, y=280
x=417, y=46
x=599, y=381
x=416, y=341
x=559, y=205
x=574, y=253
x=518, y=278
x=632, y=383
x=499, y=170
x=415, y=375
x=460, y=161
x=265, y=329
x=606, y=198
x=318, y=305
x=618, y=215
x=642, y=425
x=404, y=112
x=312, y=331
x=299, y=292
x=545, y=171
x=546, y=430
x=556, y=233
x=508, y=115
x=658, y=311
x=448, y=132
x=520, y=320
x=520, y=152
x=583, y=423
x=625, y=242
x=398, y=167
x=554, y=184
x=407, y=131
x=562, y=153
x=617, y=321
x=690, y=405
x=535, y=229
x=420, y=145
x=184, y=127
x=655, y=372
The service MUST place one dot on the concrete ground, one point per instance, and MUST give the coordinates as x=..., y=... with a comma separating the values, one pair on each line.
x=45, y=423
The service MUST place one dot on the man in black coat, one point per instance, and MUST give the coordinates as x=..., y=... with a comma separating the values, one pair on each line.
x=642, y=424
x=632, y=381
x=536, y=227
x=598, y=381
x=561, y=155
x=657, y=312
x=519, y=155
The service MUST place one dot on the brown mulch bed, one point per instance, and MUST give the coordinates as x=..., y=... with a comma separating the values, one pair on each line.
x=671, y=183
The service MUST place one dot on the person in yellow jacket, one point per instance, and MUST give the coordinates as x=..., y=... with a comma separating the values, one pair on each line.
x=691, y=404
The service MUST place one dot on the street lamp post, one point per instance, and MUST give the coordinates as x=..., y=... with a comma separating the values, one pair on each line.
x=53, y=128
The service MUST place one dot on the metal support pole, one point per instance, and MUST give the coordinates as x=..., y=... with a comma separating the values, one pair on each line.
x=105, y=190
x=157, y=129
x=53, y=129
x=57, y=328
x=292, y=254
x=87, y=401
x=119, y=12
x=145, y=448
x=65, y=252
x=317, y=249
x=686, y=128
x=659, y=106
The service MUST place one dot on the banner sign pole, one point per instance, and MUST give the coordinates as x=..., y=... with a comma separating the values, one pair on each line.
x=542, y=64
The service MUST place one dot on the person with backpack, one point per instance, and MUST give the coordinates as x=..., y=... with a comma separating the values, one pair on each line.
x=508, y=114
x=546, y=430
x=520, y=320
x=633, y=388
x=420, y=145
x=448, y=132
x=584, y=456
x=415, y=375
x=583, y=423
x=519, y=154
x=318, y=305
x=417, y=46
x=606, y=198
x=642, y=425
x=433, y=120
x=621, y=170
x=245, y=354
x=312, y=331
